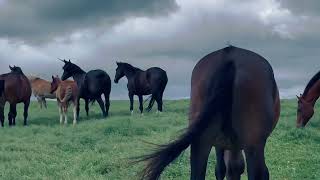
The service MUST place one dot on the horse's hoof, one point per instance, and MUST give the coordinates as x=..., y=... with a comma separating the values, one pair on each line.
x=142, y=114
x=131, y=113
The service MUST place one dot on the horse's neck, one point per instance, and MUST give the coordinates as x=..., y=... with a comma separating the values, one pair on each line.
x=130, y=74
x=79, y=78
x=313, y=94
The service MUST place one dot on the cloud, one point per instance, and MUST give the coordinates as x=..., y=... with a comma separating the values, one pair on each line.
x=173, y=37
x=41, y=21
x=309, y=7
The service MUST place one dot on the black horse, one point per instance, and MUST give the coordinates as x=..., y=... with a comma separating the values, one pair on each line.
x=152, y=81
x=91, y=85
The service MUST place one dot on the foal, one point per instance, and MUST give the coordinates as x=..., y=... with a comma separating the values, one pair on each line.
x=66, y=92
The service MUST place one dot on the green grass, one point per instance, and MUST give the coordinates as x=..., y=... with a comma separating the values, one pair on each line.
x=99, y=148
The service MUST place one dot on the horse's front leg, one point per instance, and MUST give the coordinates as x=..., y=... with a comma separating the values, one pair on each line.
x=60, y=112
x=131, y=102
x=141, y=104
x=75, y=113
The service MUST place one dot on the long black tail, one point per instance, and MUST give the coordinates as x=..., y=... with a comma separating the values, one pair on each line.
x=220, y=90
x=152, y=100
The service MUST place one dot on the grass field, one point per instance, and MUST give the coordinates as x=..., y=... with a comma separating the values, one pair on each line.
x=99, y=148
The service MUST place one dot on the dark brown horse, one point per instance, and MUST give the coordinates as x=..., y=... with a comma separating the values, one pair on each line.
x=234, y=106
x=1, y=87
x=17, y=89
x=307, y=100
x=152, y=81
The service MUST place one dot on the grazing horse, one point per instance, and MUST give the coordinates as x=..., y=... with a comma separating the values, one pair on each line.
x=17, y=89
x=91, y=86
x=41, y=90
x=152, y=81
x=234, y=106
x=307, y=100
x=66, y=92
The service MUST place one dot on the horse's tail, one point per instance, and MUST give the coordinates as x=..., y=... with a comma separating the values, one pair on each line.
x=67, y=94
x=219, y=100
x=152, y=100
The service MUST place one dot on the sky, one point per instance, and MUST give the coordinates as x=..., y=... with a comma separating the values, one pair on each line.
x=171, y=34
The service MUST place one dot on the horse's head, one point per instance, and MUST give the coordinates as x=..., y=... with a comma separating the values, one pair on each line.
x=304, y=112
x=119, y=72
x=16, y=69
x=54, y=84
x=67, y=69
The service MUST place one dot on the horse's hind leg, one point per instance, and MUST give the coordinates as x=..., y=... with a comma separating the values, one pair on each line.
x=25, y=113
x=235, y=164
x=158, y=98
x=141, y=104
x=11, y=114
x=87, y=106
x=100, y=101
x=44, y=102
x=107, y=102
x=257, y=169
x=199, y=157
x=220, y=169
x=14, y=113
x=39, y=99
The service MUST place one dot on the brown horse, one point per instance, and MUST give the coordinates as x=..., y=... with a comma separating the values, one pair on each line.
x=41, y=90
x=234, y=106
x=17, y=89
x=66, y=92
x=307, y=100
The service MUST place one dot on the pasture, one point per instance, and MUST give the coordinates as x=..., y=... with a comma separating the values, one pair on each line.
x=98, y=148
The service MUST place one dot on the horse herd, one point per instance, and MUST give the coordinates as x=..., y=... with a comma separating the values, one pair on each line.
x=235, y=106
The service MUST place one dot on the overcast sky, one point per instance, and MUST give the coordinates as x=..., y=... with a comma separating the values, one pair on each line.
x=170, y=34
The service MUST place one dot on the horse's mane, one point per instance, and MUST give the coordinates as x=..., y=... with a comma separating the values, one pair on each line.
x=129, y=66
x=76, y=68
x=313, y=80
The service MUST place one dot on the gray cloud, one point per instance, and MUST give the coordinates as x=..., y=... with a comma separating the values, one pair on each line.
x=176, y=41
x=307, y=7
x=39, y=21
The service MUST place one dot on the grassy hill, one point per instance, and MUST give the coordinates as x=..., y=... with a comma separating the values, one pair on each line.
x=99, y=148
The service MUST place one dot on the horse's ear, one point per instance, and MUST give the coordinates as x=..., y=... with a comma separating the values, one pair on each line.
x=52, y=77
x=69, y=61
x=117, y=63
x=10, y=67
x=298, y=97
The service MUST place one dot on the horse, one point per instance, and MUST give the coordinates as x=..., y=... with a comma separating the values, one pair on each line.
x=235, y=106
x=41, y=90
x=91, y=86
x=152, y=81
x=66, y=91
x=17, y=89
x=307, y=100
x=1, y=87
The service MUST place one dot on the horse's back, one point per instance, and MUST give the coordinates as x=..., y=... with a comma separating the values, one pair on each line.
x=156, y=75
x=98, y=82
x=40, y=87
x=17, y=88
x=254, y=91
